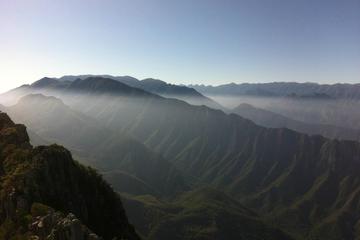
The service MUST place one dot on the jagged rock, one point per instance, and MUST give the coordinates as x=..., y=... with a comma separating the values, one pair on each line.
x=41, y=187
x=56, y=226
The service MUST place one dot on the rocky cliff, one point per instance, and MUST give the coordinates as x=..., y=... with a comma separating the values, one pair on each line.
x=45, y=194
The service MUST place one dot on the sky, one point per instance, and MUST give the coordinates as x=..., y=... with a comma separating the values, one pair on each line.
x=181, y=42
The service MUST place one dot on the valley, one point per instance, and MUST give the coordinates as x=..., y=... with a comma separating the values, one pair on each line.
x=180, y=162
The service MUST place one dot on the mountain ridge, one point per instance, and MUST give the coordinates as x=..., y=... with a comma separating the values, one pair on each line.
x=305, y=184
x=211, y=213
x=158, y=87
x=281, y=89
x=227, y=151
x=109, y=151
x=270, y=119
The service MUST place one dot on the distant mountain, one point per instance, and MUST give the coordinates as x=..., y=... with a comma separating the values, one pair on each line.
x=35, y=139
x=128, y=80
x=163, y=88
x=159, y=87
x=50, y=118
x=318, y=104
x=49, y=86
x=273, y=120
x=92, y=84
x=45, y=194
x=201, y=214
x=342, y=113
x=11, y=97
x=339, y=90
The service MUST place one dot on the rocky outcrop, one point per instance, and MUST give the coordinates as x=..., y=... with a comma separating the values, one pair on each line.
x=56, y=226
x=45, y=194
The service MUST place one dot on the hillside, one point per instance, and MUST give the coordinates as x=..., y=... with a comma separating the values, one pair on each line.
x=51, y=119
x=201, y=214
x=122, y=180
x=267, y=169
x=113, y=153
x=44, y=191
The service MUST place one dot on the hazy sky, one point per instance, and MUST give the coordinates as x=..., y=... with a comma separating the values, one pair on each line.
x=182, y=41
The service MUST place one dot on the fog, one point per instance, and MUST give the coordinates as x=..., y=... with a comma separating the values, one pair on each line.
x=122, y=114
x=62, y=116
x=337, y=112
x=106, y=130
x=342, y=113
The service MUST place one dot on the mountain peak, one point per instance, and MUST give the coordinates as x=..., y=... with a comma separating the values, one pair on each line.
x=40, y=100
x=5, y=120
x=44, y=82
x=245, y=106
x=106, y=85
x=39, y=96
x=153, y=81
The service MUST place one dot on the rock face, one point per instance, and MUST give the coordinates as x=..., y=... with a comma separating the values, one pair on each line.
x=45, y=194
x=54, y=225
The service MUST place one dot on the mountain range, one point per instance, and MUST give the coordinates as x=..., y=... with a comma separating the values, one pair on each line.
x=311, y=103
x=285, y=184
x=281, y=89
x=270, y=119
x=157, y=86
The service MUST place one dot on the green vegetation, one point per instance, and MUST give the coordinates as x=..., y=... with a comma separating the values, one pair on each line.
x=201, y=214
x=159, y=149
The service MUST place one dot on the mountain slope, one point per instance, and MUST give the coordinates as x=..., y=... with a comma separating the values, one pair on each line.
x=35, y=180
x=336, y=108
x=109, y=151
x=272, y=170
x=199, y=214
x=188, y=221
x=269, y=119
x=50, y=118
x=308, y=185
x=320, y=104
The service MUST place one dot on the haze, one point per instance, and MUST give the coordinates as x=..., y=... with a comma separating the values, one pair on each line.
x=188, y=42
x=184, y=156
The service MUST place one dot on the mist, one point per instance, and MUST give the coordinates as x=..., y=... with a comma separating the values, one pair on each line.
x=117, y=112
x=148, y=145
x=336, y=112
x=180, y=120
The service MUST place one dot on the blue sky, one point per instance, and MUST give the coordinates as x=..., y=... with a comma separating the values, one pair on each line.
x=188, y=41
